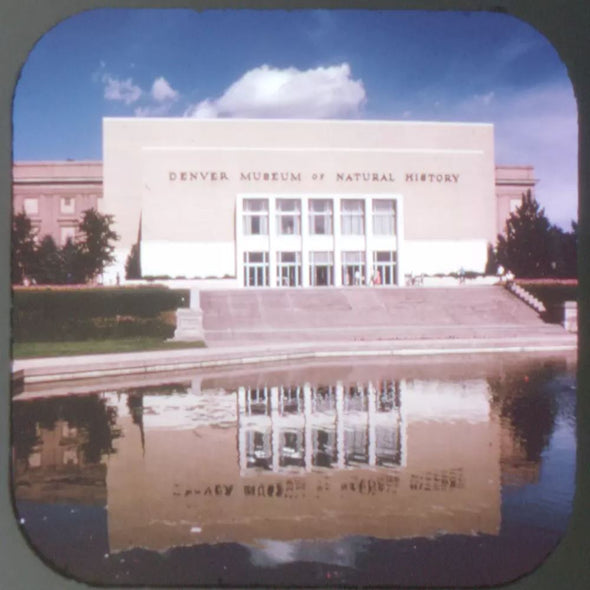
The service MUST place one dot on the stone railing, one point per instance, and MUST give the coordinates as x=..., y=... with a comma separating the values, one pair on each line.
x=527, y=297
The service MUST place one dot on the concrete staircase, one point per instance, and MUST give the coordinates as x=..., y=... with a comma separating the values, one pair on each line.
x=362, y=313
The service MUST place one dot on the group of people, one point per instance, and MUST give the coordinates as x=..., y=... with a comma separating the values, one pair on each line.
x=358, y=278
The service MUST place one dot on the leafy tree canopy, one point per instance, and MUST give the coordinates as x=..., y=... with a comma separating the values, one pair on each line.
x=77, y=261
x=133, y=264
x=23, y=248
x=96, y=243
x=532, y=247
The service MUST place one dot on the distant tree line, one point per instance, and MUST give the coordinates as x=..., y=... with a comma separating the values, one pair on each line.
x=532, y=247
x=79, y=260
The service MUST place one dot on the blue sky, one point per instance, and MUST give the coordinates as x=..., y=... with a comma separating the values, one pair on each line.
x=440, y=66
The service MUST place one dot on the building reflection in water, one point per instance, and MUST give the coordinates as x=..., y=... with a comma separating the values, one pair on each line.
x=280, y=463
x=385, y=459
x=285, y=428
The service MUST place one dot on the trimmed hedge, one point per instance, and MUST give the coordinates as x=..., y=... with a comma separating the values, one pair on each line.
x=44, y=315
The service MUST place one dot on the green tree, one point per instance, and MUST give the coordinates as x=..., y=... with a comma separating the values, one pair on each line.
x=48, y=268
x=527, y=249
x=132, y=264
x=95, y=243
x=23, y=251
x=491, y=262
x=565, y=251
x=71, y=264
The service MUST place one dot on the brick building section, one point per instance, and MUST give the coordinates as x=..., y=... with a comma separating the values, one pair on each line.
x=55, y=194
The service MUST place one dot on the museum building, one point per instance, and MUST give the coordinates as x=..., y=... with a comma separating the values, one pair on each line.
x=304, y=203
x=285, y=202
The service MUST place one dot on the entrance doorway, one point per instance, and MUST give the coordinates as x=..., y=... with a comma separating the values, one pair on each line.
x=385, y=263
x=321, y=269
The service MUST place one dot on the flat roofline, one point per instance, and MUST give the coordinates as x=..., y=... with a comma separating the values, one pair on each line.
x=294, y=121
x=54, y=162
x=516, y=166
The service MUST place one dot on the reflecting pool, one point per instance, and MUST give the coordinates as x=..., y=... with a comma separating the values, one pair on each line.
x=450, y=473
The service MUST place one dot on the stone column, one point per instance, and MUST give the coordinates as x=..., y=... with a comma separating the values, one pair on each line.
x=340, y=446
x=372, y=439
x=242, y=451
x=275, y=427
x=307, y=426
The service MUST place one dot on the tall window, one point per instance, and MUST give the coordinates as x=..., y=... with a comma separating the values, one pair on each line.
x=320, y=216
x=288, y=216
x=321, y=269
x=259, y=448
x=384, y=217
x=291, y=447
x=356, y=444
x=325, y=451
x=353, y=216
x=288, y=269
x=31, y=206
x=384, y=263
x=67, y=205
x=256, y=269
x=255, y=217
x=353, y=268
x=67, y=232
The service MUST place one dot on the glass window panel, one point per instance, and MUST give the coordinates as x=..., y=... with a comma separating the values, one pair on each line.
x=320, y=216
x=383, y=256
x=288, y=269
x=259, y=205
x=384, y=217
x=31, y=206
x=255, y=269
x=320, y=205
x=255, y=224
x=321, y=269
x=288, y=256
x=321, y=257
x=289, y=205
x=288, y=224
x=383, y=205
x=352, y=205
x=353, y=257
x=67, y=205
x=384, y=264
x=352, y=216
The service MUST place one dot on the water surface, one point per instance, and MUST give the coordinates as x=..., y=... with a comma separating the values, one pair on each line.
x=446, y=473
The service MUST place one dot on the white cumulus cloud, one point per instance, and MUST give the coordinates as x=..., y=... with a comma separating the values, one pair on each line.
x=162, y=91
x=320, y=93
x=121, y=90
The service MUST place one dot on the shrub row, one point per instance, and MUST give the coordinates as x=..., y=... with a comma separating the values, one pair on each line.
x=83, y=314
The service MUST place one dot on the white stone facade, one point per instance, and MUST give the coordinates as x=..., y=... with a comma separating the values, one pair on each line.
x=342, y=199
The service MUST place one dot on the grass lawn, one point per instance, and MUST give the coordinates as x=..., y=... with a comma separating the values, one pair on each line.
x=22, y=350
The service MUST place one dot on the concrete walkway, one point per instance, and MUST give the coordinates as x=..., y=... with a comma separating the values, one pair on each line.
x=45, y=370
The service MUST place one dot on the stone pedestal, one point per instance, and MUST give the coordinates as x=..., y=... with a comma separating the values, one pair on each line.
x=570, y=316
x=189, y=322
